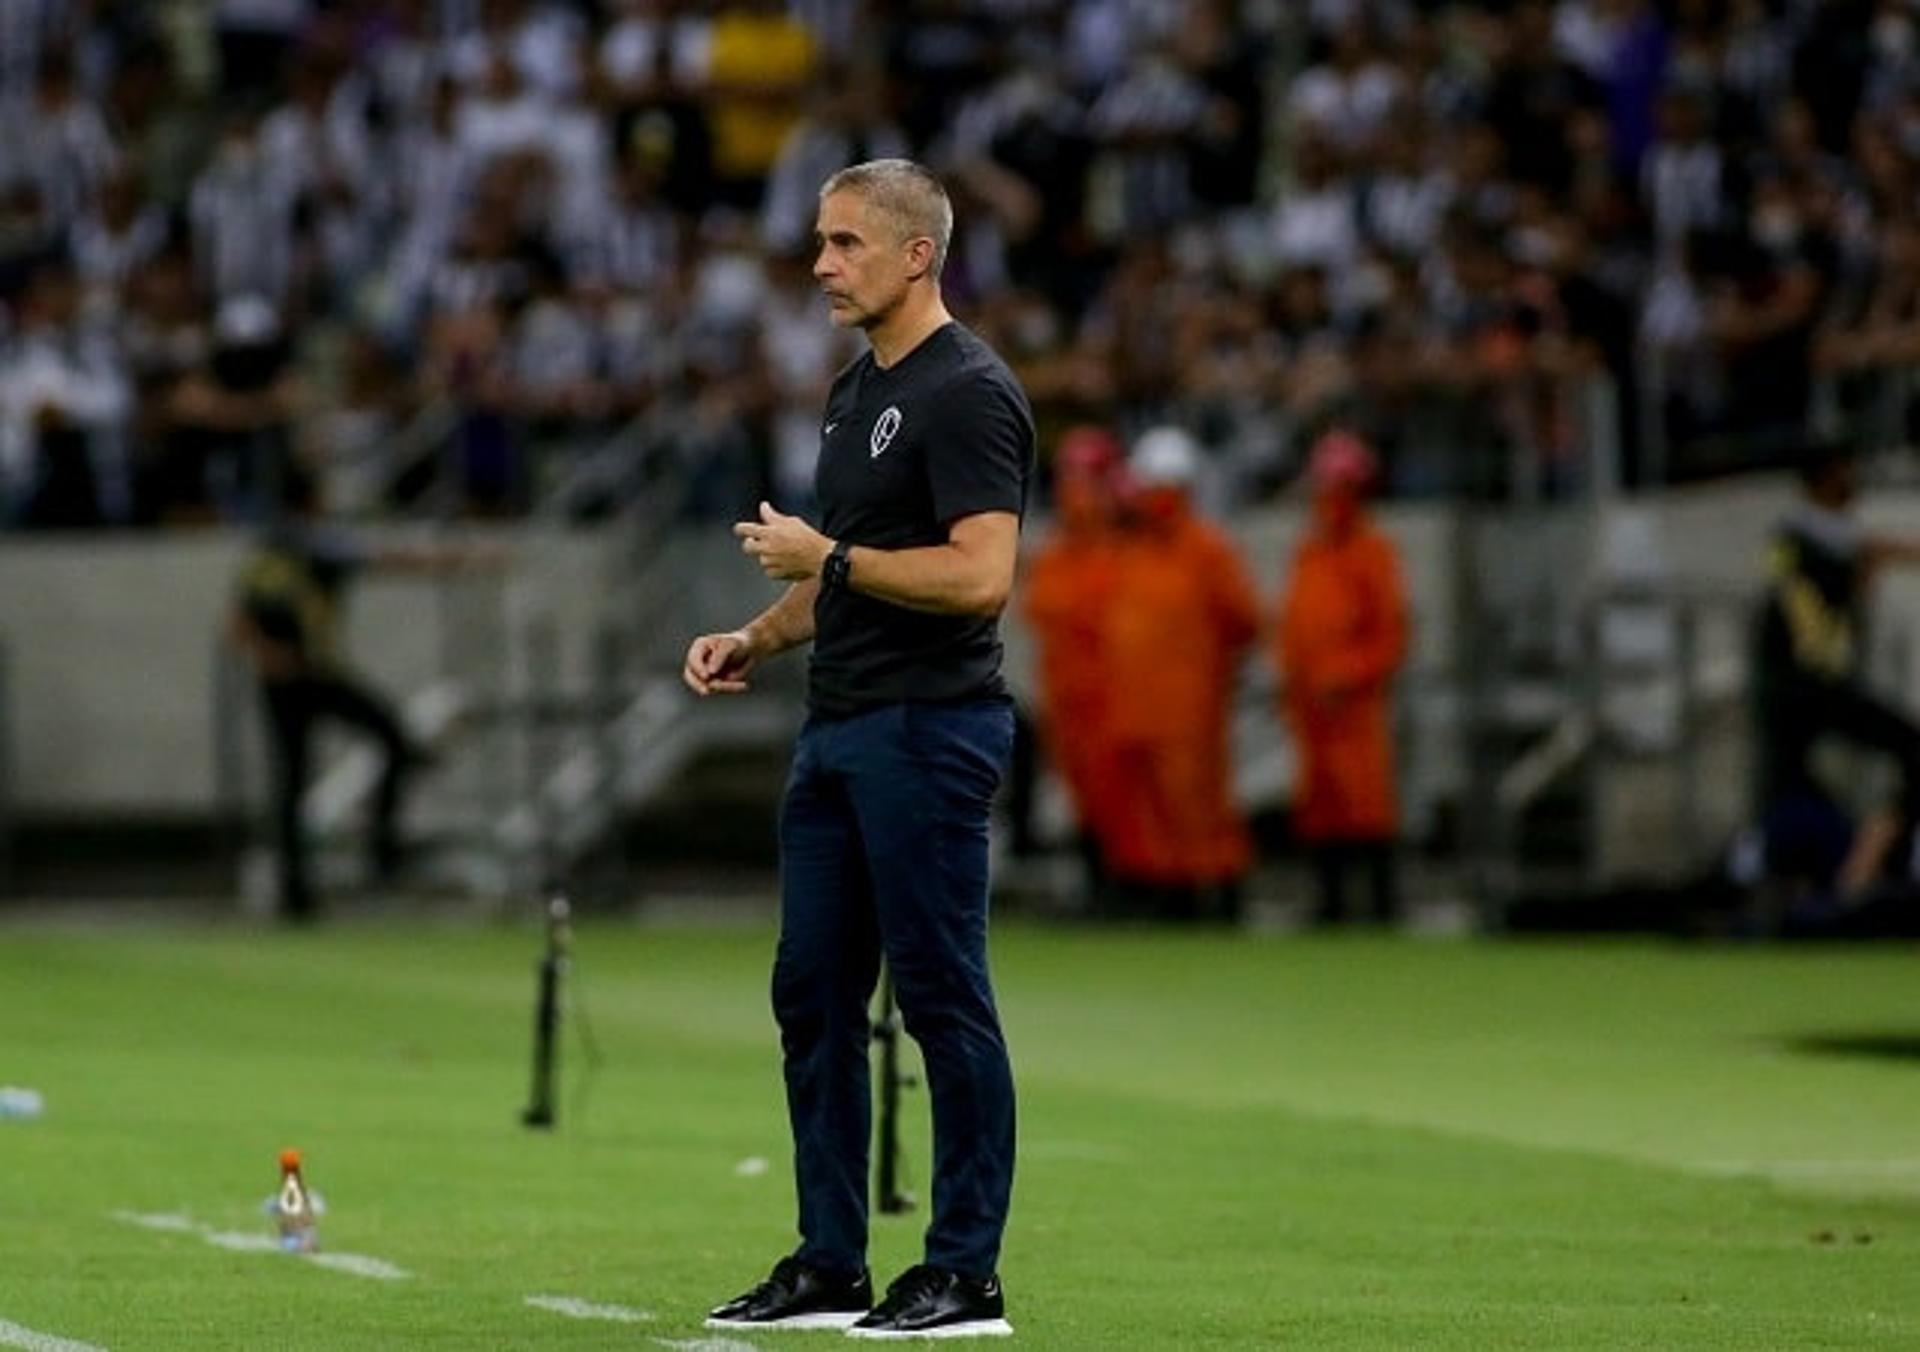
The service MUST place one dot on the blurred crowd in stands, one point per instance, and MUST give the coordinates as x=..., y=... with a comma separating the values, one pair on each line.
x=435, y=248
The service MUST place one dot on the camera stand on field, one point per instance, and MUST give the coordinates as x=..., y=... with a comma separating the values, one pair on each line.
x=546, y=1011
x=888, y=1194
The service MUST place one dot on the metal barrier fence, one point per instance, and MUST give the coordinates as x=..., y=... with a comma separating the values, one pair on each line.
x=532, y=748
x=1690, y=423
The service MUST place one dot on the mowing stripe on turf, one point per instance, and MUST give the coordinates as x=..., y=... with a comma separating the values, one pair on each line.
x=1887, y=1177
x=15, y=1335
x=1879, y=1168
x=575, y=1308
x=248, y=1241
x=1078, y=1152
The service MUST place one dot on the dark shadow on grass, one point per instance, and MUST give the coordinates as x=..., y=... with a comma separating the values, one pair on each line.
x=1886, y=1046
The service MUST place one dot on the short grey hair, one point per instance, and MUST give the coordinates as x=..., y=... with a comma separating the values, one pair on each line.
x=906, y=193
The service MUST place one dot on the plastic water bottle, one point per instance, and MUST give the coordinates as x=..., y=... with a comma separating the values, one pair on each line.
x=293, y=1205
x=20, y=1104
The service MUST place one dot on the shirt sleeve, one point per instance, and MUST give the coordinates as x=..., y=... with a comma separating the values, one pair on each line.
x=979, y=450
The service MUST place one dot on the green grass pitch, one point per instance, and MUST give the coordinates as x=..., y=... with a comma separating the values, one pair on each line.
x=1228, y=1142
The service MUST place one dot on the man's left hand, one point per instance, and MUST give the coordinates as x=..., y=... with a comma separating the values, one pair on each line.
x=787, y=548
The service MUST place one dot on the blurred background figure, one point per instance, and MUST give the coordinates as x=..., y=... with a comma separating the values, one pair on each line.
x=286, y=623
x=1342, y=637
x=1072, y=591
x=1809, y=685
x=255, y=38
x=234, y=421
x=1175, y=845
x=64, y=400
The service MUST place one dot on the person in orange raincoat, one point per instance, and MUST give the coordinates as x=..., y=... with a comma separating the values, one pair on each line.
x=1342, y=637
x=1176, y=843
x=1070, y=590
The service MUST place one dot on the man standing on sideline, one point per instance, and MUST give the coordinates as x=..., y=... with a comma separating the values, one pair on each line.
x=1071, y=588
x=1174, y=641
x=286, y=621
x=1342, y=638
x=927, y=447
x=1809, y=678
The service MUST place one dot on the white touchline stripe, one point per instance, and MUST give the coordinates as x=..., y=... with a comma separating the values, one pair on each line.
x=170, y=1220
x=359, y=1265
x=15, y=1335
x=240, y=1241
x=247, y=1241
x=707, y=1345
x=575, y=1308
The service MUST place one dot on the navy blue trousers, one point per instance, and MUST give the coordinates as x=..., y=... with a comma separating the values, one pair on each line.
x=883, y=848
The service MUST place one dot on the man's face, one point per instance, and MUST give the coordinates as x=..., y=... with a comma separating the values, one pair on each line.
x=863, y=267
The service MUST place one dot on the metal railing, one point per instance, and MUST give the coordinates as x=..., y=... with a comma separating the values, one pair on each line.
x=1875, y=409
x=1621, y=738
x=533, y=767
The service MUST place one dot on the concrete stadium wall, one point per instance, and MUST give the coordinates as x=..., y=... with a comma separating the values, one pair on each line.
x=112, y=639
x=112, y=644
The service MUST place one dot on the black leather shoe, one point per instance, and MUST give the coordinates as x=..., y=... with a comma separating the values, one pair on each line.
x=931, y=1302
x=796, y=1296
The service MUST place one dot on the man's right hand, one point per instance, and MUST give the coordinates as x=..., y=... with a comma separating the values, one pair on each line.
x=717, y=664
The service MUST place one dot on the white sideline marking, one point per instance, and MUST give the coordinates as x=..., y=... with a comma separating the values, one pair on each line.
x=15, y=1335
x=168, y=1220
x=240, y=1241
x=752, y=1166
x=707, y=1345
x=246, y=1241
x=979, y=1328
x=359, y=1265
x=575, y=1308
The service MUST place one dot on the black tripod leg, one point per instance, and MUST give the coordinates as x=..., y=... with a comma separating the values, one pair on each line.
x=890, y=1197
x=546, y=1017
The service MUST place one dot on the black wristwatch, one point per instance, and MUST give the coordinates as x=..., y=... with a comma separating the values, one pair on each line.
x=835, y=567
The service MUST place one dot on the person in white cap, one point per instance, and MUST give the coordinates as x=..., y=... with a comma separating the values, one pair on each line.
x=1186, y=616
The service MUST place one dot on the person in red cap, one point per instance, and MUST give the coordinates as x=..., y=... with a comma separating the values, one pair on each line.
x=1071, y=588
x=1342, y=637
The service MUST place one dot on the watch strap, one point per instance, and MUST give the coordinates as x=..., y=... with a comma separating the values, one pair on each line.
x=834, y=571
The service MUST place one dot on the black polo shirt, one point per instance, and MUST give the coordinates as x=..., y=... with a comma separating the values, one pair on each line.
x=905, y=451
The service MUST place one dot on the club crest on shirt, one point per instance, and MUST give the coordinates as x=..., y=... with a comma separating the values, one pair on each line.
x=884, y=429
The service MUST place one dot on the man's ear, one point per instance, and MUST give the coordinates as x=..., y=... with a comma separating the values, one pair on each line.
x=919, y=257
